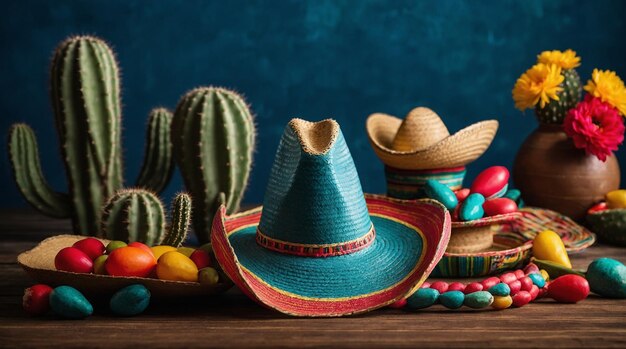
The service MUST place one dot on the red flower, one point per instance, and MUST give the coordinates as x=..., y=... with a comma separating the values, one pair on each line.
x=595, y=126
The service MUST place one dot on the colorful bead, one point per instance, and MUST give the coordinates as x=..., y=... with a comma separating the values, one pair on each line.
x=440, y=286
x=441, y=193
x=515, y=287
x=501, y=302
x=472, y=208
x=426, y=284
x=423, y=298
x=500, y=289
x=497, y=206
x=478, y=300
x=473, y=287
x=521, y=299
x=462, y=194
x=527, y=283
x=531, y=268
x=490, y=282
x=399, y=304
x=534, y=292
x=519, y=273
x=507, y=278
x=537, y=279
x=456, y=286
x=491, y=182
x=452, y=299
x=544, y=274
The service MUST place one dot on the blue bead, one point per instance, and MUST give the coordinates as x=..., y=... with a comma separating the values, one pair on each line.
x=452, y=299
x=130, y=300
x=441, y=193
x=68, y=302
x=423, y=298
x=537, y=279
x=478, y=300
x=500, y=289
x=472, y=207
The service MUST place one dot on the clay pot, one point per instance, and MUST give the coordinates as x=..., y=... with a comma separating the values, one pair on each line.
x=553, y=174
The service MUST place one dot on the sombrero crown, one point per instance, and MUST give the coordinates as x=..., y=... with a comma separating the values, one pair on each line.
x=314, y=169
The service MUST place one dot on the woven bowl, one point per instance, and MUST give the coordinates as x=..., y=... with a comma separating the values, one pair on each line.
x=39, y=264
x=609, y=225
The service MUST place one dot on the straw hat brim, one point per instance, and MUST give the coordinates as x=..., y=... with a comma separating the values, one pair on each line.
x=455, y=150
x=411, y=237
x=498, y=219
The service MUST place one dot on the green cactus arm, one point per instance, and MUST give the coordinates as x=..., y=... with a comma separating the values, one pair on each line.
x=28, y=175
x=158, y=163
x=179, y=221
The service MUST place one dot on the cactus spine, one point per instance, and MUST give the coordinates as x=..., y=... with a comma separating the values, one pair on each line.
x=555, y=111
x=213, y=140
x=138, y=215
x=179, y=221
x=86, y=103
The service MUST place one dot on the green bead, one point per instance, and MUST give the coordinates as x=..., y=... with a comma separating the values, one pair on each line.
x=452, y=299
x=423, y=298
x=478, y=300
x=500, y=289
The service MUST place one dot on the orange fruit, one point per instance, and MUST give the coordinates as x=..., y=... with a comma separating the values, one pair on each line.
x=176, y=266
x=130, y=261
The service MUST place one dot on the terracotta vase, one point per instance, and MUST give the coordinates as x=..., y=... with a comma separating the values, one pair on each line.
x=553, y=174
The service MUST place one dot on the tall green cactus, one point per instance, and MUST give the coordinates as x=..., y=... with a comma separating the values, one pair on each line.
x=86, y=103
x=213, y=141
x=138, y=215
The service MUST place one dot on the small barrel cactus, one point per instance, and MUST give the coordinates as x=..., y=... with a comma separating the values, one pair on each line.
x=555, y=111
x=138, y=215
x=86, y=103
x=213, y=141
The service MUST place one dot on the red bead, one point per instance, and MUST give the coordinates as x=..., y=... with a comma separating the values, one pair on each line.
x=527, y=283
x=569, y=288
x=531, y=268
x=462, y=194
x=398, y=304
x=490, y=282
x=455, y=213
x=456, y=286
x=534, y=292
x=507, y=278
x=494, y=207
x=515, y=287
x=490, y=181
x=36, y=299
x=426, y=284
x=519, y=273
x=440, y=286
x=473, y=287
x=521, y=299
x=543, y=291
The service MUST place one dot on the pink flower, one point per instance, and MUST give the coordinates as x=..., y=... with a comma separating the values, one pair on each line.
x=595, y=126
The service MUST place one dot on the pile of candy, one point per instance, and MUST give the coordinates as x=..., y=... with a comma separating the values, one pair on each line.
x=515, y=289
x=89, y=255
x=488, y=196
x=68, y=302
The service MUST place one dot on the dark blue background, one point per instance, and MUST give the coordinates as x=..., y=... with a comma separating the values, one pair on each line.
x=311, y=59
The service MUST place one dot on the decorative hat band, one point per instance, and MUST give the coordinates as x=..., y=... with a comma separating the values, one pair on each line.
x=408, y=184
x=316, y=250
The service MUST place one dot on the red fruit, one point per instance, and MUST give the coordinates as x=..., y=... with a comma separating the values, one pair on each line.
x=490, y=282
x=201, y=258
x=531, y=268
x=440, y=286
x=534, y=292
x=473, y=287
x=544, y=290
x=130, y=261
x=456, y=286
x=398, y=304
x=569, y=288
x=142, y=246
x=462, y=194
x=519, y=273
x=527, y=283
x=73, y=260
x=515, y=287
x=36, y=299
x=92, y=247
x=507, y=278
x=494, y=207
x=490, y=181
x=597, y=207
x=521, y=299
x=426, y=284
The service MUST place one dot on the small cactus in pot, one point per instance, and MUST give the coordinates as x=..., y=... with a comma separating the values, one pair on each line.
x=213, y=141
x=138, y=215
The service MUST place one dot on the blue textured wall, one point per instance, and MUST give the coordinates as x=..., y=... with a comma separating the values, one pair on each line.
x=311, y=59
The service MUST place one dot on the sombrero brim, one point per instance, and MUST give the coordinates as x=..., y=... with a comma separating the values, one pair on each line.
x=498, y=219
x=411, y=237
x=455, y=150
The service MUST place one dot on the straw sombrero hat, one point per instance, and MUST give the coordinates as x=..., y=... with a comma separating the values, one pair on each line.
x=421, y=141
x=319, y=246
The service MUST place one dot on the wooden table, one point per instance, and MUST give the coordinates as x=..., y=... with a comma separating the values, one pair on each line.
x=231, y=320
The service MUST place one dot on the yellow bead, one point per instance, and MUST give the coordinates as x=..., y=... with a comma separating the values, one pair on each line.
x=545, y=275
x=501, y=302
x=616, y=199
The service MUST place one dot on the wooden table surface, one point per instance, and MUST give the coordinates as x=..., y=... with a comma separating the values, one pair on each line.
x=231, y=320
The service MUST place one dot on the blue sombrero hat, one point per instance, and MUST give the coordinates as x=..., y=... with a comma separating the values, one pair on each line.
x=319, y=246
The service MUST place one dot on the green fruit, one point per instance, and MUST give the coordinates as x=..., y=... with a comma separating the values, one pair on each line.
x=208, y=276
x=115, y=244
x=187, y=251
x=98, y=264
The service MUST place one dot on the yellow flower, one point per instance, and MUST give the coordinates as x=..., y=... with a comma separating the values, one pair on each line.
x=565, y=60
x=607, y=86
x=538, y=84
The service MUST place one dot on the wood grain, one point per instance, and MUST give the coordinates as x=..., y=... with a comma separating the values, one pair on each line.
x=231, y=320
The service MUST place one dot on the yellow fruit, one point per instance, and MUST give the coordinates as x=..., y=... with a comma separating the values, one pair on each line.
x=616, y=199
x=187, y=251
x=176, y=266
x=549, y=246
x=158, y=251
